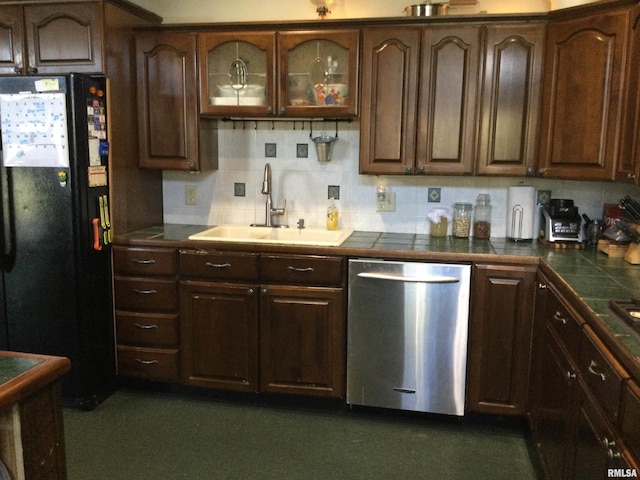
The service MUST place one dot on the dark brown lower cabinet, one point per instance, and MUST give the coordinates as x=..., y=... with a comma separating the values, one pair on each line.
x=597, y=446
x=554, y=414
x=220, y=335
x=500, y=338
x=301, y=340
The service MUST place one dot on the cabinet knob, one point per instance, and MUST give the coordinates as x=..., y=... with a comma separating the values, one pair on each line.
x=421, y=170
x=263, y=291
x=283, y=110
x=530, y=171
x=250, y=291
x=542, y=286
x=570, y=376
x=631, y=176
x=17, y=69
x=408, y=171
x=540, y=172
x=32, y=70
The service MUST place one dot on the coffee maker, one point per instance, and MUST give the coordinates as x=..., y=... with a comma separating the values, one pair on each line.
x=560, y=221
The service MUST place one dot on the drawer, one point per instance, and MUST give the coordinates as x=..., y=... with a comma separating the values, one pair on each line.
x=631, y=418
x=147, y=329
x=148, y=363
x=144, y=294
x=602, y=373
x=145, y=261
x=302, y=269
x=219, y=265
x=565, y=326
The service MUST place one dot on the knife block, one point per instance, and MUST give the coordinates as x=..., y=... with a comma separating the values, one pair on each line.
x=633, y=254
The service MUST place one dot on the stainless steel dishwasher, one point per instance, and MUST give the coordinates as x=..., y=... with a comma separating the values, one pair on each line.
x=407, y=335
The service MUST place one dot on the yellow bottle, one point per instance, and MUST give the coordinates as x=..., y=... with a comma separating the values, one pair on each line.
x=332, y=216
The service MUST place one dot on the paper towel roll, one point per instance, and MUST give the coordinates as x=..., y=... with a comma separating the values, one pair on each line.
x=521, y=211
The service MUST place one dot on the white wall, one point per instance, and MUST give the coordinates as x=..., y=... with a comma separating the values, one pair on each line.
x=198, y=11
x=303, y=182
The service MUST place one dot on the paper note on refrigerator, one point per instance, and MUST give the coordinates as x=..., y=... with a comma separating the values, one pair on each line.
x=34, y=130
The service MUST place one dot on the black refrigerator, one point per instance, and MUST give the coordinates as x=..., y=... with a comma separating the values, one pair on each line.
x=56, y=230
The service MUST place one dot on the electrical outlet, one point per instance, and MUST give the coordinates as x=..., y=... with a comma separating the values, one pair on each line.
x=385, y=201
x=191, y=195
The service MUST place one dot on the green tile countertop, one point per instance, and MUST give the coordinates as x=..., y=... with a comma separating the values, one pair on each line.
x=593, y=276
x=11, y=367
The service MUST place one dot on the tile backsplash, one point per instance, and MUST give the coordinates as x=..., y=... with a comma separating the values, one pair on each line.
x=246, y=146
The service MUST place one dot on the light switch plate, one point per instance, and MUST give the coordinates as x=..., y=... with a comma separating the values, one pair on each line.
x=386, y=202
x=190, y=195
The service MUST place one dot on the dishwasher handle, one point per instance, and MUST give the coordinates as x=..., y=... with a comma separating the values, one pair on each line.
x=412, y=279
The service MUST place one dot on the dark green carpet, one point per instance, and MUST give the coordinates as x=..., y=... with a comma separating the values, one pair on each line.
x=149, y=435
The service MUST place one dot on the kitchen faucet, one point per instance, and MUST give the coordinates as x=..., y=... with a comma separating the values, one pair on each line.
x=270, y=212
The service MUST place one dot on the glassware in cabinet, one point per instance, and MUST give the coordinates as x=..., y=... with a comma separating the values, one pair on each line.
x=237, y=73
x=318, y=73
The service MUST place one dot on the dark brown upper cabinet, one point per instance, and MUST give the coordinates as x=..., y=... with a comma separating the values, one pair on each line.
x=171, y=133
x=582, y=93
x=51, y=38
x=419, y=90
x=509, y=119
x=289, y=74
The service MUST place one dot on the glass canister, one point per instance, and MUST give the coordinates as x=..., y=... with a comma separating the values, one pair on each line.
x=461, y=219
x=438, y=222
x=482, y=216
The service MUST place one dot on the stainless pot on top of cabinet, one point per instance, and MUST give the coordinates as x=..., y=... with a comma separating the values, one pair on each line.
x=427, y=9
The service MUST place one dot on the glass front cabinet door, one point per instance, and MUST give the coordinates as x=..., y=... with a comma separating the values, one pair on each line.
x=237, y=74
x=318, y=73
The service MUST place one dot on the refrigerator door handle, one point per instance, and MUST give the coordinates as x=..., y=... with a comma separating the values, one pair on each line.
x=7, y=221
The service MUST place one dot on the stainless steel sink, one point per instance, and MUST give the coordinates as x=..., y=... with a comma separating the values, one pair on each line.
x=288, y=236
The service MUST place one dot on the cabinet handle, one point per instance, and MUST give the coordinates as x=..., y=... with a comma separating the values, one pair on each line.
x=145, y=327
x=217, y=265
x=606, y=443
x=558, y=316
x=146, y=362
x=145, y=292
x=300, y=270
x=592, y=370
x=143, y=262
x=570, y=375
x=631, y=176
x=542, y=286
x=613, y=454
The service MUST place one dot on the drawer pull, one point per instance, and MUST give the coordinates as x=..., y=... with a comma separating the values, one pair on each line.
x=217, y=265
x=146, y=362
x=145, y=327
x=300, y=270
x=145, y=292
x=143, y=262
x=592, y=370
x=558, y=316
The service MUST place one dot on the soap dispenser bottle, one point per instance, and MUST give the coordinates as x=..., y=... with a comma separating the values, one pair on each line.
x=332, y=215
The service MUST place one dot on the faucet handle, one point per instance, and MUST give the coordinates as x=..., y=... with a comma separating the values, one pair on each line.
x=279, y=211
